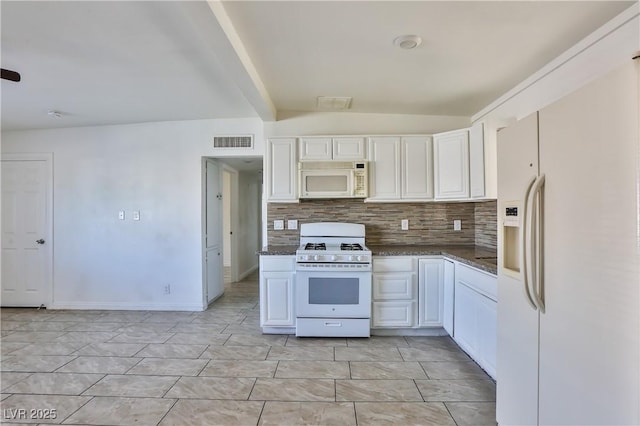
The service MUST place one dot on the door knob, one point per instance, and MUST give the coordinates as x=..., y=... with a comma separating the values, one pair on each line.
x=40, y=241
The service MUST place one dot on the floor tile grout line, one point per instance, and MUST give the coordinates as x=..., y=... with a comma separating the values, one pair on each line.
x=446, y=407
x=169, y=410
x=77, y=409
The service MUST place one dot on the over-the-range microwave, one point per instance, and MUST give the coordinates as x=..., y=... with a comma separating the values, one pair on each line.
x=333, y=179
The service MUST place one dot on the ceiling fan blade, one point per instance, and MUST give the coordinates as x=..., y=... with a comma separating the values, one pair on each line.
x=9, y=75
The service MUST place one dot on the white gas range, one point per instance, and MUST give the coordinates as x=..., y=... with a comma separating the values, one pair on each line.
x=333, y=281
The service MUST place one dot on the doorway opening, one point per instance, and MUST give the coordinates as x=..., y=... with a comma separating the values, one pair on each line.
x=240, y=222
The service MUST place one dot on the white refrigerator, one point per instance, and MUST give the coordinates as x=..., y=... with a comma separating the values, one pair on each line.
x=568, y=348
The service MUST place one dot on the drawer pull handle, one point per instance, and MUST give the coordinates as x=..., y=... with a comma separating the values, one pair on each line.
x=332, y=324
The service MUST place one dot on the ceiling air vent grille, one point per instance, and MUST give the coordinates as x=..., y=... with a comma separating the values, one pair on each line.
x=233, y=141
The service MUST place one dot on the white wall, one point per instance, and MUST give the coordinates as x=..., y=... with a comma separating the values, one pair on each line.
x=248, y=230
x=102, y=262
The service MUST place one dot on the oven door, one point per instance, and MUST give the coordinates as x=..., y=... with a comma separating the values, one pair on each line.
x=333, y=294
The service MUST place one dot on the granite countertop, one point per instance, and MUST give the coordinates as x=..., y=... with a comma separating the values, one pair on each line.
x=477, y=256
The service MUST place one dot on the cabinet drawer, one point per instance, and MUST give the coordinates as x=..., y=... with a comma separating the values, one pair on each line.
x=393, y=314
x=350, y=327
x=393, y=264
x=483, y=283
x=277, y=263
x=393, y=286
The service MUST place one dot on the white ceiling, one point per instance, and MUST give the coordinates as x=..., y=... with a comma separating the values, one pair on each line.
x=127, y=62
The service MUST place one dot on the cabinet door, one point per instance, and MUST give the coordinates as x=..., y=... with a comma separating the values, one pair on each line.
x=417, y=168
x=276, y=299
x=315, y=149
x=281, y=174
x=393, y=314
x=451, y=165
x=384, y=170
x=351, y=149
x=431, y=293
x=487, y=314
x=449, y=283
x=476, y=161
x=465, y=326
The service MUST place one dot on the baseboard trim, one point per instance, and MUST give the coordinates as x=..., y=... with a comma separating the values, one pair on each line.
x=126, y=306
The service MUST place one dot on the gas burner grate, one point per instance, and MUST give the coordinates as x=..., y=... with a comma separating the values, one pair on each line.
x=315, y=246
x=345, y=246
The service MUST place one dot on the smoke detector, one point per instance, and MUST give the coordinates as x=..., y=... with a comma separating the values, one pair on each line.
x=407, y=42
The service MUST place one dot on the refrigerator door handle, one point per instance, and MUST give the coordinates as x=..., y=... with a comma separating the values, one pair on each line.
x=535, y=234
x=524, y=238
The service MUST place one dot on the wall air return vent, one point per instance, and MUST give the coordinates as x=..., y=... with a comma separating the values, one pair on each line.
x=233, y=141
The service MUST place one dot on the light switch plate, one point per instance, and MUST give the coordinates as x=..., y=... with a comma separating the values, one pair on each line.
x=457, y=225
x=292, y=224
x=121, y=215
x=278, y=225
x=404, y=224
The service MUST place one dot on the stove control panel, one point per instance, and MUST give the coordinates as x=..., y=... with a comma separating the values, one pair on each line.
x=337, y=258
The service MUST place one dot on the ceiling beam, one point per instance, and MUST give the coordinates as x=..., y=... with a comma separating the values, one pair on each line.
x=231, y=52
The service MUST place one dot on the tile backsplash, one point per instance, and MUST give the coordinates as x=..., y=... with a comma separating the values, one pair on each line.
x=429, y=223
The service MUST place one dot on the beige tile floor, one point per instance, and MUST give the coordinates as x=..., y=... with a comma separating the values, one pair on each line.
x=216, y=368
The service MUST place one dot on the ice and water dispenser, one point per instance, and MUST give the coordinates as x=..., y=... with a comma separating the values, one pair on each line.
x=512, y=243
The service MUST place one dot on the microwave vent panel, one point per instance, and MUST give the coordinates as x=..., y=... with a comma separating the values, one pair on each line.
x=233, y=141
x=326, y=165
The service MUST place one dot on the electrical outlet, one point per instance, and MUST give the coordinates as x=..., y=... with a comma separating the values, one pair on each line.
x=404, y=224
x=457, y=225
x=278, y=225
x=167, y=289
x=136, y=214
x=292, y=224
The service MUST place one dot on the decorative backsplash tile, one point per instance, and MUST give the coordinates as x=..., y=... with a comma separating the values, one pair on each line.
x=429, y=223
x=486, y=216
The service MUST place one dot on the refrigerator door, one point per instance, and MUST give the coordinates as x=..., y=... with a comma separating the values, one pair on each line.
x=590, y=332
x=517, y=346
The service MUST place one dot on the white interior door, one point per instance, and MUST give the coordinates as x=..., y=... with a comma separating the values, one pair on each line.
x=213, y=231
x=26, y=232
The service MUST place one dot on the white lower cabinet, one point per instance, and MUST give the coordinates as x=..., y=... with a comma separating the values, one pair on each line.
x=431, y=292
x=394, y=314
x=475, y=315
x=277, y=280
x=448, y=285
x=394, y=295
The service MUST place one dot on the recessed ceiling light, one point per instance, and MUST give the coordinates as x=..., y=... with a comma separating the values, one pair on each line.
x=54, y=114
x=407, y=41
x=335, y=103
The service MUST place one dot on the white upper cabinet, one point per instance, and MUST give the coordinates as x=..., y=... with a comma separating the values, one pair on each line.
x=401, y=168
x=417, y=168
x=384, y=168
x=280, y=176
x=451, y=165
x=314, y=149
x=349, y=148
x=476, y=161
x=329, y=148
